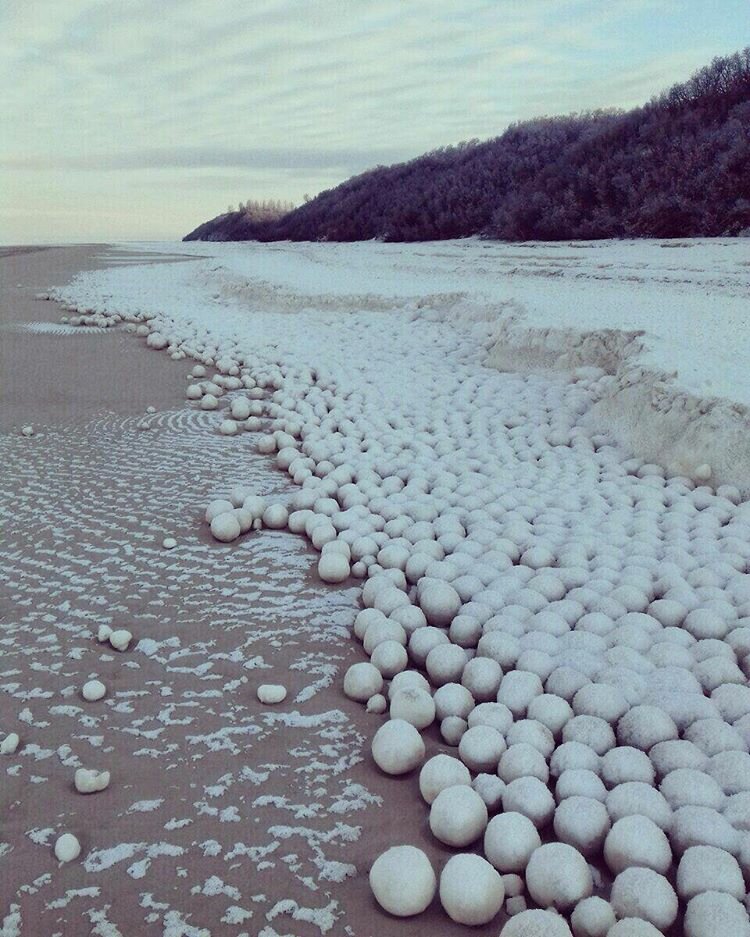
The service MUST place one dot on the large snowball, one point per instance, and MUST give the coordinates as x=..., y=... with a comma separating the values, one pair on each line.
x=645, y=894
x=637, y=841
x=714, y=913
x=362, y=681
x=225, y=527
x=440, y=772
x=439, y=601
x=403, y=881
x=509, y=842
x=397, y=747
x=558, y=876
x=471, y=891
x=536, y=923
x=480, y=748
x=706, y=868
x=458, y=816
x=413, y=705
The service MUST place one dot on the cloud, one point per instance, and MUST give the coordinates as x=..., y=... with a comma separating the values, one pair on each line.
x=287, y=96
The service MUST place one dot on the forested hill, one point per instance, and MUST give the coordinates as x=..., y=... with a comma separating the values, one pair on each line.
x=677, y=167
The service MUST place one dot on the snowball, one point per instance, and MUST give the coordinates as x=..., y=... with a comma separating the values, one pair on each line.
x=438, y=600
x=701, y=826
x=583, y=823
x=362, y=681
x=731, y=770
x=579, y=782
x=377, y=704
x=688, y=787
x=445, y=664
x=225, y=527
x=536, y=923
x=637, y=841
x=706, y=868
x=558, y=876
x=120, y=639
x=275, y=517
x=67, y=848
x=552, y=711
x=440, y=772
x=103, y=633
x=390, y=658
x=270, y=693
x=93, y=690
x=592, y=917
x=458, y=816
x=9, y=744
x=397, y=747
x=676, y=753
x=414, y=705
x=471, y=891
x=333, y=567
x=714, y=913
x=491, y=714
x=452, y=699
x=89, y=780
x=228, y=427
x=423, y=640
x=490, y=788
x=209, y=402
x=452, y=729
x=480, y=748
x=403, y=881
x=509, y=841
x=517, y=689
x=636, y=798
x=169, y=543
x=645, y=726
x=624, y=763
x=633, y=927
x=522, y=760
x=530, y=797
x=643, y=893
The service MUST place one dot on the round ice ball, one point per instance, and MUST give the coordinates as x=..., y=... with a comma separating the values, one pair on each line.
x=458, y=816
x=536, y=923
x=270, y=693
x=480, y=748
x=643, y=893
x=471, y=891
x=93, y=690
x=333, y=567
x=637, y=841
x=413, y=705
x=439, y=601
x=558, y=876
x=532, y=798
x=706, y=868
x=403, y=881
x=592, y=917
x=275, y=516
x=713, y=913
x=67, y=848
x=397, y=747
x=583, y=823
x=362, y=681
x=216, y=507
x=440, y=772
x=225, y=527
x=390, y=658
x=509, y=841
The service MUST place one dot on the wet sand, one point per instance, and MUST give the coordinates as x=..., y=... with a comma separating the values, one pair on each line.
x=222, y=816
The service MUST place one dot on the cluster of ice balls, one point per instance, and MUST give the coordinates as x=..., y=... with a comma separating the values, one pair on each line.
x=578, y=622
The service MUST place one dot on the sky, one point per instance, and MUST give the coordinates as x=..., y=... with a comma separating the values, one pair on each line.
x=139, y=119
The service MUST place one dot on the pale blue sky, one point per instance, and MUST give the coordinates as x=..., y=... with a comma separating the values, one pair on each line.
x=141, y=118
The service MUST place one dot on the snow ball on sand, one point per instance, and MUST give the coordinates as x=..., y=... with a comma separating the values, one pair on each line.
x=637, y=841
x=558, y=876
x=536, y=923
x=438, y=600
x=362, y=681
x=217, y=507
x=471, y=891
x=228, y=427
x=706, y=868
x=414, y=705
x=403, y=881
x=209, y=402
x=9, y=744
x=458, y=816
x=67, y=848
x=89, y=780
x=592, y=917
x=169, y=543
x=270, y=693
x=509, y=842
x=93, y=690
x=275, y=517
x=645, y=894
x=27, y=431
x=120, y=639
x=333, y=567
x=714, y=913
x=440, y=772
x=225, y=527
x=397, y=747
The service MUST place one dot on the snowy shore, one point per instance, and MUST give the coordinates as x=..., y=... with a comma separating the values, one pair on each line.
x=461, y=421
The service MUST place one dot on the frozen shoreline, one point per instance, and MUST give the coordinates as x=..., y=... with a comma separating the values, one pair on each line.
x=562, y=555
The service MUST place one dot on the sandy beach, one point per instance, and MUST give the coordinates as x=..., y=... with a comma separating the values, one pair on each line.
x=222, y=816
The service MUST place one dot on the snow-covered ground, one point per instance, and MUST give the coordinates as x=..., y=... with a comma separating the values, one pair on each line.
x=536, y=455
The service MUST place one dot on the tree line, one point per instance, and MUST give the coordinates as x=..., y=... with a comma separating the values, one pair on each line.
x=679, y=166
